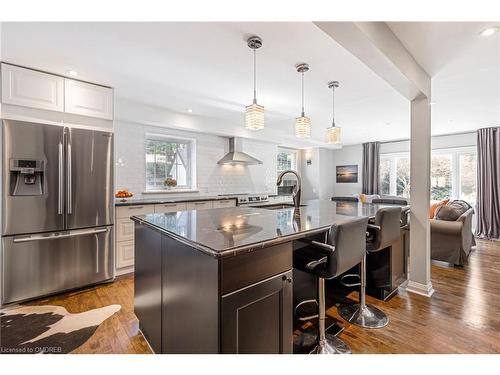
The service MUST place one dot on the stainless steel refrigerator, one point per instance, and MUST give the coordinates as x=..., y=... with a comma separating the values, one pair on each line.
x=57, y=209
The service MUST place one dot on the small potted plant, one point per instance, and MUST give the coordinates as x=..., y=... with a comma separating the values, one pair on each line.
x=170, y=182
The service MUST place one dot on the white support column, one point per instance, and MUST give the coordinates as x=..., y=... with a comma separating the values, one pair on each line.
x=419, y=278
x=376, y=45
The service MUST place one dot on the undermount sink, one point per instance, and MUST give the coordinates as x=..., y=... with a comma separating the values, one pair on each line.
x=279, y=206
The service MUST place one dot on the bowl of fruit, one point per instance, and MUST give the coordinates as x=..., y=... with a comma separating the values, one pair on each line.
x=123, y=194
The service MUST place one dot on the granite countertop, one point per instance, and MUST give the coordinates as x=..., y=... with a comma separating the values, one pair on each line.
x=230, y=231
x=135, y=202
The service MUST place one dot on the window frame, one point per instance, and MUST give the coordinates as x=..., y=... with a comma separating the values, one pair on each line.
x=455, y=153
x=190, y=170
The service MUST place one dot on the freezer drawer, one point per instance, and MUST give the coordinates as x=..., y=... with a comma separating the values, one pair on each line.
x=42, y=264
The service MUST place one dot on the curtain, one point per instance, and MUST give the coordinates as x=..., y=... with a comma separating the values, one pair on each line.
x=371, y=162
x=488, y=183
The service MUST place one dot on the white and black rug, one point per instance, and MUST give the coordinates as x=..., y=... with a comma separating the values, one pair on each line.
x=48, y=329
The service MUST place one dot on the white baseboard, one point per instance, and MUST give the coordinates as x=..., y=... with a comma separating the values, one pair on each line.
x=418, y=288
x=124, y=271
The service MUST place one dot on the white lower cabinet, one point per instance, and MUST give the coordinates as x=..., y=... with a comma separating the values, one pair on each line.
x=125, y=227
x=125, y=256
x=170, y=207
x=200, y=205
x=224, y=203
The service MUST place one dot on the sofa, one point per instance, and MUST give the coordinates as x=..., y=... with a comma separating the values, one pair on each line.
x=452, y=240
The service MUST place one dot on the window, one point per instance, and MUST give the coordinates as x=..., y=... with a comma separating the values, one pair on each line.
x=395, y=174
x=287, y=160
x=453, y=174
x=169, y=158
x=441, y=176
x=467, y=176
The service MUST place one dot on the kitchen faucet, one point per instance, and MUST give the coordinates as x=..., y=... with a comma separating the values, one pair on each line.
x=297, y=188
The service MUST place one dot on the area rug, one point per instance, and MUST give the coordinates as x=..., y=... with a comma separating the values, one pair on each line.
x=48, y=329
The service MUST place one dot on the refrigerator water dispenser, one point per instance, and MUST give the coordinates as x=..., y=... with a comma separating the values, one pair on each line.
x=26, y=177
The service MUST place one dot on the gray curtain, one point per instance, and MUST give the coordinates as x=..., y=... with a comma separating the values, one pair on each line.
x=371, y=162
x=488, y=183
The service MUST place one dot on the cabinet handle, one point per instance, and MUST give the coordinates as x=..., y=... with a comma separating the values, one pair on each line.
x=135, y=208
x=286, y=278
x=199, y=203
x=170, y=205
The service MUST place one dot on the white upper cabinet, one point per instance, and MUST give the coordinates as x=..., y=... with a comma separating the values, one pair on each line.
x=88, y=100
x=30, y=88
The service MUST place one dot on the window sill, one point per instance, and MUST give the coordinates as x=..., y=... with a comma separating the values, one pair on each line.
x=171, y=191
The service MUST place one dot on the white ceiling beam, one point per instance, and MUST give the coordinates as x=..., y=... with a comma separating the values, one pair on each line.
x=375, y=45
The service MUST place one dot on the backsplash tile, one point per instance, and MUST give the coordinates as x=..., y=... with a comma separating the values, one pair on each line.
x=212, y=179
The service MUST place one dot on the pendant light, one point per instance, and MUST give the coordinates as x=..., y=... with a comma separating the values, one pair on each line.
x=254, y=113
x=302, y=123
x=333, y=132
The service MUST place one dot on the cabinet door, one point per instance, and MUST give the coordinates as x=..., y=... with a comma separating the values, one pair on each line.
x=124, y=230
x=134, y=210
x=201, y=205
x=258, y=319
x=124, y=254
x=88, y=100
x=29, y=88
x=224, y=203
x=170, y=207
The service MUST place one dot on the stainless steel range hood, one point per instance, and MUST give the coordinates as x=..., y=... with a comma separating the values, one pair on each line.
x=236, y=154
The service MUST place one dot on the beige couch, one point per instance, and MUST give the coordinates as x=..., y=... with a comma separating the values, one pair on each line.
x=451, y=241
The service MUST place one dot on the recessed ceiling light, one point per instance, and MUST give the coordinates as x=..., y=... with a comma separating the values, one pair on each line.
x=189, y=110
x=490, y=31
x=432, y=102
x=73, y=73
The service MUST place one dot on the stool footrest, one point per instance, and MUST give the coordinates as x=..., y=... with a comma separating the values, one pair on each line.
x=350, y=275
x=308, y=317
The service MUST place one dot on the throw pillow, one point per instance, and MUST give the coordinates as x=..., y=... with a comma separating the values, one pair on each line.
x=435, y=206
x=451, y=211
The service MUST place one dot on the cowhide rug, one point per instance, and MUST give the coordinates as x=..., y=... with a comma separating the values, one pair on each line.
x=48, y=329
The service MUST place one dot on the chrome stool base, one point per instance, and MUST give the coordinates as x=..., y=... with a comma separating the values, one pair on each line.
x=367, y=316
x=331, y=345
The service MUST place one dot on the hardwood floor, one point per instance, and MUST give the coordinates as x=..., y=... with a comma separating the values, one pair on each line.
x=461, y=317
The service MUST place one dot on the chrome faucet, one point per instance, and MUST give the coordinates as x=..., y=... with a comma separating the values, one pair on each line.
x=297, y=188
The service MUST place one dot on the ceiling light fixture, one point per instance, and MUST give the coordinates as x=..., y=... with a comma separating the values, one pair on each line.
x=254, y=113
x=189, y=110
x=333, y=132
x=490, y=31
x=302, y=123
x=73, y=73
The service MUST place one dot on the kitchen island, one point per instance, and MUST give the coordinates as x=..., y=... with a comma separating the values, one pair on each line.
x=220, y=280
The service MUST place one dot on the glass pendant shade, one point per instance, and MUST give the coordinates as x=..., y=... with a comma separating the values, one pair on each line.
x=303, y=127
x=333, y=135
x=254, y=113
x=254, y=116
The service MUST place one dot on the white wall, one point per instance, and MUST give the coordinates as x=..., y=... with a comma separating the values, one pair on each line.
x=212, y=179
x=318, y=177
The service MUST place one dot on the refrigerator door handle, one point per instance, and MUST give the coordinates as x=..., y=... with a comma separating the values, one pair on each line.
x=69, y=192
x=55, y=236
x=60, y=197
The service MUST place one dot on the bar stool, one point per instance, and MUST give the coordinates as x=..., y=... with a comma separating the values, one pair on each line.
x=344, y=247
x=382, y=234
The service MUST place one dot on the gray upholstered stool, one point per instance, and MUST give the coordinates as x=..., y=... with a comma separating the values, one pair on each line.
x=344, y=247
x=382, y=234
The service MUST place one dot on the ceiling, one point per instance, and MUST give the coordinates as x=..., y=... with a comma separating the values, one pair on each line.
x=208, y=67
x=465, y=71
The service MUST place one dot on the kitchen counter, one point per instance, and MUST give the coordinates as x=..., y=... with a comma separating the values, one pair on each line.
x=205, y=279
x=140, y=202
